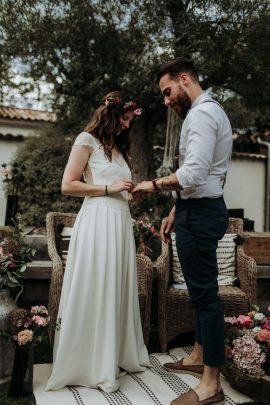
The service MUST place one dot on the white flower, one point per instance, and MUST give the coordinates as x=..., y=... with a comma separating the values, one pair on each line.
x=256, y=329
x=138, y=112
x=259, y=316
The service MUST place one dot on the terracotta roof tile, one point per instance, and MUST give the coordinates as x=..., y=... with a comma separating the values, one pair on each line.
x=11, y=112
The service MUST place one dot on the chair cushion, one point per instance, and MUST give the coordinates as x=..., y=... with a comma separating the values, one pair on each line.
x=225, y=260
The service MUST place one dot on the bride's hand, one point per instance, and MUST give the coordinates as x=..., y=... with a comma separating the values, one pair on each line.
x=124, y=185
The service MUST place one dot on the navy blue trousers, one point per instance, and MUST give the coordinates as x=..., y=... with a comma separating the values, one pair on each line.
x=199, y=224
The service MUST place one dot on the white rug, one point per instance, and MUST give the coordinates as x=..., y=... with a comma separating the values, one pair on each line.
x=153, y=386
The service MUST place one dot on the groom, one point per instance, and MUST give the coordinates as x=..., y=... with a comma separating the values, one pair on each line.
x=200, y=219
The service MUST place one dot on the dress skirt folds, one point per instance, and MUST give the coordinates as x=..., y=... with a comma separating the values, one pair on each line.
x=100, y=319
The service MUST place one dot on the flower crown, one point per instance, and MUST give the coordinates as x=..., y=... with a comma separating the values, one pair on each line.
x=112, y=101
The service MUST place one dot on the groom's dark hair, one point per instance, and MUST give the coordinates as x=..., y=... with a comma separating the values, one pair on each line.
x=179, y=65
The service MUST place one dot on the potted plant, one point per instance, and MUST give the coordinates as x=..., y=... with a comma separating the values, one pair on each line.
x=27, y=328
x=247, y=351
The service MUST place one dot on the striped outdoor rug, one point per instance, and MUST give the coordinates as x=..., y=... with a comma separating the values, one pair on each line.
x=153, y=386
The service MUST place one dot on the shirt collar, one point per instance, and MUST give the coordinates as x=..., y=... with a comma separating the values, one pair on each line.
x=200, y=99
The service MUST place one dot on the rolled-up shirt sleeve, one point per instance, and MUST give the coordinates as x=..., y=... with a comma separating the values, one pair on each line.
x=201, y=132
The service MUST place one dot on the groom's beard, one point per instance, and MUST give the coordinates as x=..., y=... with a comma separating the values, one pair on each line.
x=182, y=105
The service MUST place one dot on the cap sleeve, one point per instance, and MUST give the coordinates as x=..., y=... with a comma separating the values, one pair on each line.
x=85, y=139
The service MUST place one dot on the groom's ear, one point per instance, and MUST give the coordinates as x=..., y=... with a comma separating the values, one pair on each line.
x=184, y=79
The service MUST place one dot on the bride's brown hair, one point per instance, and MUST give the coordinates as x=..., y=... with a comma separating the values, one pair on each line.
x=105, y=124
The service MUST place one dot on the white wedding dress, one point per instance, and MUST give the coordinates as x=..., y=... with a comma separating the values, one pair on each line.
x=99, y=310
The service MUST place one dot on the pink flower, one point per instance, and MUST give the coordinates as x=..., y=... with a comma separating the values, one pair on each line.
x=138, y=112
x=25, y=336
x=264, y=335
x=244, y=320
x=247, y=355
x=40, y=321
x=35, y=310
x=39, y=309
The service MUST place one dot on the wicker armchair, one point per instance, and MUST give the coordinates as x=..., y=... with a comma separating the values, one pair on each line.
x=57, y=249
x=175, y=314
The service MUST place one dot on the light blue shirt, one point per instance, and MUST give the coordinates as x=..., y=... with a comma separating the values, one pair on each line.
x=204, y=150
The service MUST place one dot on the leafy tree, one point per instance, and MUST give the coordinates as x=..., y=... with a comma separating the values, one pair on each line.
x=86, y=48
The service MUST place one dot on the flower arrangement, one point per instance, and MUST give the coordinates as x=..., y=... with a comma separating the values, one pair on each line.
x=247, y=343
x=29, y=326
x=144, y=233
x=14, y=255
x=116, y=102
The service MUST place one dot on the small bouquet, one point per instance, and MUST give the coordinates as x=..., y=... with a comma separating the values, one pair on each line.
x=144, y=233
x=247, y=342
x=29, y=326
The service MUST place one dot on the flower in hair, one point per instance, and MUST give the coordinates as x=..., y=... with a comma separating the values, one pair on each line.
x=111, y=101
x=138, y=112
x=116, y=102
x=132, y=106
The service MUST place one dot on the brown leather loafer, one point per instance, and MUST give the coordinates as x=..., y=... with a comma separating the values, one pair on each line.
x=191, y=398
x=179, y=367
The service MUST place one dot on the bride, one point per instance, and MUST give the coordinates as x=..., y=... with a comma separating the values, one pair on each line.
x=100, y=328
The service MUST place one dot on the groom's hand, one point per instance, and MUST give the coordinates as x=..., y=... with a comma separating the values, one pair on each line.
x=167, y=226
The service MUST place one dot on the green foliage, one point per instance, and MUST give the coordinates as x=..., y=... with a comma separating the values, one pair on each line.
x=84, y=49
x=40, y=164
x=14, y=255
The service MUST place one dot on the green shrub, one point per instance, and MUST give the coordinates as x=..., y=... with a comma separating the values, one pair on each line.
x=36, y=175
